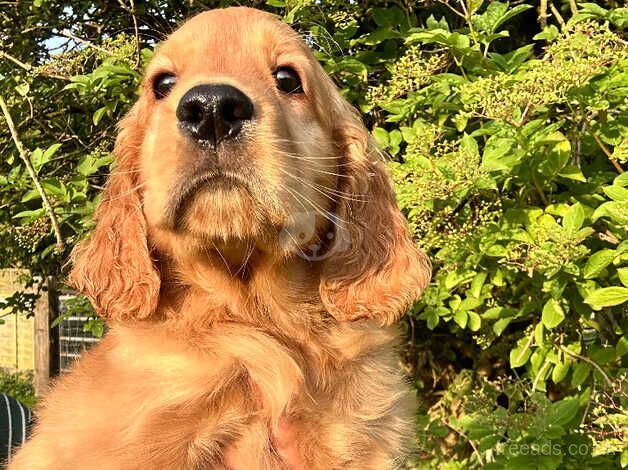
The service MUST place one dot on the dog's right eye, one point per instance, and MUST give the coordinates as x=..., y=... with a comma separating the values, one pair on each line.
x=163, y=84
x=288, y=80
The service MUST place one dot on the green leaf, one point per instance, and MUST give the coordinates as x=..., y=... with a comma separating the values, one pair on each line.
x=597, y=262
x=36, y=159
x=614, y=210
x=23, y=89
x=621, y=180
x=557, y=156
x=616, y=193
x=560, y=371
x=580, y=373
x=30, y=195
x=431, y=23
x=461, y=317
x=510, y=14
x=460, y=120
x=550, y=33
x=519, y=356
x=88, y=165
x=431, y=317
x=539, y=336
x=623, y=276
x=476, y=285
x=553, y=314
x=475, y=5
x=30, y=216
x=381, y=137
x=469, y=145
x=476, y=425
x=388, y=17
x=563, y=411
x=572, y=172
x=593, y=8
x=498, y=155
x=55, y=187
x=98, y=114
x=489, y=442
x=621, y=347
x=475, y=322
x=619, y=17
x=607, y=297
x=39, y=158
x=500, y=325
x=573, y=219
x=511, y=61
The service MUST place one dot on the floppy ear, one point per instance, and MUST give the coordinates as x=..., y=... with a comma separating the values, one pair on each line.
x=113, y=268
x=376, y=271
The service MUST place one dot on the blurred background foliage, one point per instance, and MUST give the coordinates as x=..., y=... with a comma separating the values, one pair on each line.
x=507, y=128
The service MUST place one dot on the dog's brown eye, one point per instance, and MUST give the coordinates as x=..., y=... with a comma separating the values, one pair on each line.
x=163, y=84
x=288, y=80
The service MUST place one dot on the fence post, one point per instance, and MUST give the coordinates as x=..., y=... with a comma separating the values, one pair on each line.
x=46, y=338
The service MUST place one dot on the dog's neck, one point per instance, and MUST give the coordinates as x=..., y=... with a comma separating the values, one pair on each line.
x=245, y=287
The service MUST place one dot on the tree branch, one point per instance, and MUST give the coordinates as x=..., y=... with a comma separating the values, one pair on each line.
x=588, y=361
x=543, y=14
x=606, y=151
x=574, y=7
x=558, y=16
x=138, y=56
x=29, y=67
x=85, y=42
x=16, y=61
x=31, y=171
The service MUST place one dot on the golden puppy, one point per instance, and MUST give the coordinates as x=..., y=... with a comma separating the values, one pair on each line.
x=250, y=259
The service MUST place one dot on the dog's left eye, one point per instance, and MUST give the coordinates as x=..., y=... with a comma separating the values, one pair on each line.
x=163, y=84
x=288, y=80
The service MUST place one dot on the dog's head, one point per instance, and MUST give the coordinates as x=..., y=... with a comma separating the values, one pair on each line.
x=239, y=139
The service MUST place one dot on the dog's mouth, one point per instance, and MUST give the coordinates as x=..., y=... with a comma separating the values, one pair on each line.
x=190, y=188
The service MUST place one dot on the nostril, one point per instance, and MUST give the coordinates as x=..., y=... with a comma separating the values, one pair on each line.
x=192, y=112
x=196, y=112
x=237, y=110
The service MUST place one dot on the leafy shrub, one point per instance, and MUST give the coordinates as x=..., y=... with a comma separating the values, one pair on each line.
x=504, y=170
x=18, y=385
x=508, y=135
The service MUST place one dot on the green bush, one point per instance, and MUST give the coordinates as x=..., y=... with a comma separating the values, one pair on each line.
x=508, y=134
x=18, y=385
x=505, y=171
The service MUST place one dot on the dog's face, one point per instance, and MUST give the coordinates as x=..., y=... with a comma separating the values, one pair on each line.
x=235, y=145
x=238, y=140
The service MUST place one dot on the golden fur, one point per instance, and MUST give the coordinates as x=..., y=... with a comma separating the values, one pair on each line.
x=228, y=347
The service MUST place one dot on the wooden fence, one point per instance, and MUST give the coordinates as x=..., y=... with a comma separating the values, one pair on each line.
x=32, y=343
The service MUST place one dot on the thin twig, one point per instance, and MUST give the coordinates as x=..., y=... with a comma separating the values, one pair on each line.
x=462, y=434
x=606, y=151
x=85, y=42
x=31, y=171
x=15, y=60
x=457, y=12
x=542, y=370
x=574, y=7
x=543, y=14
x=588, y=361
x=586, y=410
x=558, y=16
x=609, y=237
x=138, y=58
x=29, y=67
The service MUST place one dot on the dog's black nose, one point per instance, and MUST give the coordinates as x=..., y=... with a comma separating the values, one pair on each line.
x=213, y=113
